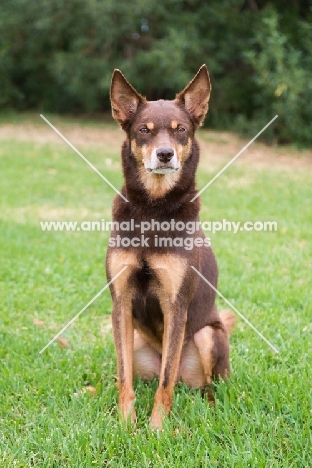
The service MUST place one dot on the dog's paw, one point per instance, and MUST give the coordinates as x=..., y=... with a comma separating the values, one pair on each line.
x=127, y=411
x=129, y=418
x=156, y=423
x=157, y=417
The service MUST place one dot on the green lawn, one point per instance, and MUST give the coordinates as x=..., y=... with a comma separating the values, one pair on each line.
x=48, y=417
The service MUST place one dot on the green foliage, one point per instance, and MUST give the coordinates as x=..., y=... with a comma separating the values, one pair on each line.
x=58, y=56
x=282, y=73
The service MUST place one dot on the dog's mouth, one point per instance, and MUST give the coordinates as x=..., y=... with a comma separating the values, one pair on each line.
x=162, y=170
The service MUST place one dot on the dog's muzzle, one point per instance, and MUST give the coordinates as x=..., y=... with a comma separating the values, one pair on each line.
x=163, y=161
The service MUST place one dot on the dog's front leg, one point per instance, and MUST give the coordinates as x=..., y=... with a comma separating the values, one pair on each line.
x=122, y=294
x=123, y=338
x=174, y=329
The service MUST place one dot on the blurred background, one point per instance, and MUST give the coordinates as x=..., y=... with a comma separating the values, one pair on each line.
x=58, y=56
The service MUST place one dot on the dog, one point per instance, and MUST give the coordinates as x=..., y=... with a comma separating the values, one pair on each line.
x=165, y=321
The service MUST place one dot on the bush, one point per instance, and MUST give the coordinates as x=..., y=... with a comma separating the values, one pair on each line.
x=59, y=56
x=282, y=75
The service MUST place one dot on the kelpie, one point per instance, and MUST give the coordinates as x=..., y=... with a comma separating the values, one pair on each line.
x=165, y=322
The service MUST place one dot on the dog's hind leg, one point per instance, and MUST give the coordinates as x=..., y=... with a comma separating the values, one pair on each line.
x=146, y=360
x=191, y=370
x=214, y=360
x=213, y=347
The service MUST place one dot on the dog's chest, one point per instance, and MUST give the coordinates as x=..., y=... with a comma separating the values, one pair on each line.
x=147, y=285
x=160, y=274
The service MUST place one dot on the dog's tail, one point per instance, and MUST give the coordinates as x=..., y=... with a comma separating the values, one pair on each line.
x=228, y=320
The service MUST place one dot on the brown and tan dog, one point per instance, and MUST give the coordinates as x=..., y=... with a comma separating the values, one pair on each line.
x=165, y=321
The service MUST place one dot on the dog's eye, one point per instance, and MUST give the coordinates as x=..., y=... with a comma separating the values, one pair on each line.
x=144, y=130
x=180, y=129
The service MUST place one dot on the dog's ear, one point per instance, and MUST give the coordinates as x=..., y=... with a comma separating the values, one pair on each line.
x=124, y=99
x=195, y=95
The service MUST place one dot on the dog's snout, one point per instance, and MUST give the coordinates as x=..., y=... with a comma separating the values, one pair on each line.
x=164, y=154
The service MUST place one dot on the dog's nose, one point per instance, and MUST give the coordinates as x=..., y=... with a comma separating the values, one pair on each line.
x=164, y=154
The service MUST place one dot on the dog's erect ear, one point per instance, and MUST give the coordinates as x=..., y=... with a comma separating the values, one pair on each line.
x=124, y=99
x=196, y=95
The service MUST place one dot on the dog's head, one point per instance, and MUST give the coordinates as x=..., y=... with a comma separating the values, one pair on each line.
x=160, y=132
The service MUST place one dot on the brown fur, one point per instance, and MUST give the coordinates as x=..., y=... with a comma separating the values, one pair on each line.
x=165, y=322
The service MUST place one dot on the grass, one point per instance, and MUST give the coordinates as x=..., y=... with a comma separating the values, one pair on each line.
x=263, y=414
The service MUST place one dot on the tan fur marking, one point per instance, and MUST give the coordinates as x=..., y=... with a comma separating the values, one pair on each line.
x=184, y=150
x=170, y=270
x=126, y=403
x=157, y=185
x=123, y=339
x=191, y=370
x=204, y=341
x=117, y=261
x=171, y=359
x=150, y=125
x=146, y=152
x=140, y=152
x=148, y=336
x=134, y=146
x=174, y=124
x=146, y=360
x=162, y=406
x=123, y=328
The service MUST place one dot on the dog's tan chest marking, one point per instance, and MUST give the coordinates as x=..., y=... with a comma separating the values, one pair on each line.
x=170, y=271
x=118, y=260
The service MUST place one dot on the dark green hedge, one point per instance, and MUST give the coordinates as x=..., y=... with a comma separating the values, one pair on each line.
x=58, y=56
